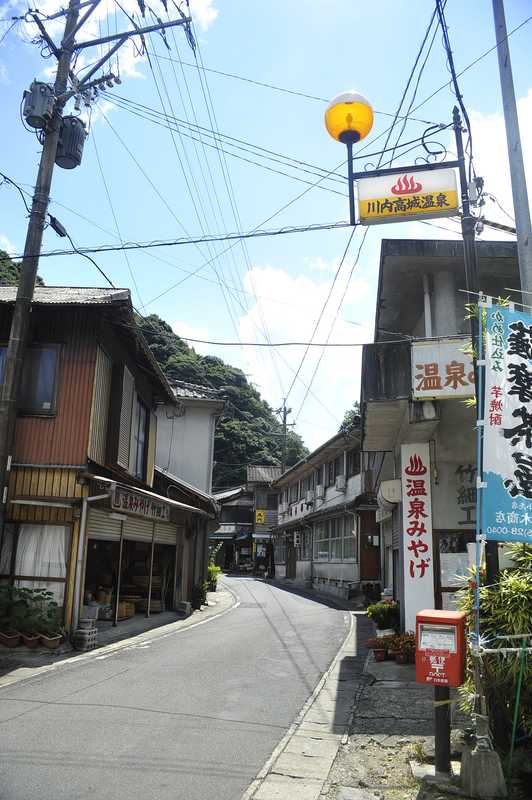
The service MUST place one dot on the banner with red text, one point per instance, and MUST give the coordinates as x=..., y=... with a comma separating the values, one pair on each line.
x=418, y=547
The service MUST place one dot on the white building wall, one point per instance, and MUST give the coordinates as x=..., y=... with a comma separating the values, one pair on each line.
x=185, y=444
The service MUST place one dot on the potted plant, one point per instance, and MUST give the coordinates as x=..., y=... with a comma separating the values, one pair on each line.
x=29, y=629
x=392, y=645
x=406, y=649
x=50, y=627
x=379, y=646
x=385, y=615
x=9, y=636
x=213, y=570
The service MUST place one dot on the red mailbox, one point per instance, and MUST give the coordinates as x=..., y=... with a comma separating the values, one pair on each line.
x=440, y=647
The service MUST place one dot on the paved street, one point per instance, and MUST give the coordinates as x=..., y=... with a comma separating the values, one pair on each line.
x=193, y=715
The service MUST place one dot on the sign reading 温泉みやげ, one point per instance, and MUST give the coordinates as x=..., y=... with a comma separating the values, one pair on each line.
x=507, y=450
x=418, y=548
x=407, y=195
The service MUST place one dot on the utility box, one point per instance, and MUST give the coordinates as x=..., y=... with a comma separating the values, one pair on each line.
x=38, y=104
x=440, y=647
x=71, y=140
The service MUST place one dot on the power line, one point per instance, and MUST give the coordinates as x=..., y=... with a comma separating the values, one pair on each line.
x=405, y=338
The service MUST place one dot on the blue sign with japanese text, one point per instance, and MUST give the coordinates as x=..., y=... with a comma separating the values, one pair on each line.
x=507, y=451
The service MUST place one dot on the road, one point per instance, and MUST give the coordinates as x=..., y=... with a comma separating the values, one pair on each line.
x=192, y=716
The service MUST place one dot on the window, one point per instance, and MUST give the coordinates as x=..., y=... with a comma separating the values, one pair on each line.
x=293, y=493
x=339, y=465
x=330, y=473
x=139, y=440
x=260, y=499
x=271, y=503
x=321, y=542
x=304, y=549
x=41, y=558
x=38, y=385
x=350, y=551
x=336, y=529
x=279, y=550
x=353, y=462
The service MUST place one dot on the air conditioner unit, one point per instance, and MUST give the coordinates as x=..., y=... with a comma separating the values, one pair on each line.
x=320, y=491
x=340, y=483
x=310, y=495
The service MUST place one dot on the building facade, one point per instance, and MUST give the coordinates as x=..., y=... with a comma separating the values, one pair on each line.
x=83, y=519
x=418, y=421
x=326, y=536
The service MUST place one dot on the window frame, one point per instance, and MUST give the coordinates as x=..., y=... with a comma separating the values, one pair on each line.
x=140, y=445
x=24, y=411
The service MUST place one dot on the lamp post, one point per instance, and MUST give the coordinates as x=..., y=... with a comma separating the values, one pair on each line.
x=349, y=119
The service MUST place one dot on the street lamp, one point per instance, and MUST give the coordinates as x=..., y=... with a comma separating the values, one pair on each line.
x=349, y=119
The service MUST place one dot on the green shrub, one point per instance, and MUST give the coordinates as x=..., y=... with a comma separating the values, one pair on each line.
x=384, y=614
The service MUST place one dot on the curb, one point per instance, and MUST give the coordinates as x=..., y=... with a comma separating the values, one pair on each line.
x=292, y=730
x=110, y=649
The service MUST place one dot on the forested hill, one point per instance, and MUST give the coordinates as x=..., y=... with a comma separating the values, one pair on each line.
x=249, y=432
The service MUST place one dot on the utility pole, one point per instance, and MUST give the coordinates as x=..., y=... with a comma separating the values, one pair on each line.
x=22, y=311
x=284, y=412
x=515, y=155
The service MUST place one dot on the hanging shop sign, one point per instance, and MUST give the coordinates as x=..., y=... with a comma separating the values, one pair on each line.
x=407, y=195
x=418, y=546
x=260, y=516
x=143, y=506
x=507, y=453
x=441, y=370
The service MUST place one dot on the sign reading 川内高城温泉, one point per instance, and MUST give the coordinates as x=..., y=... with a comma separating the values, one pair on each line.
x=407, y=195
x=507, y=452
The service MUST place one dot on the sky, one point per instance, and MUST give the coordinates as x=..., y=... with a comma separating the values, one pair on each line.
x=141, y=182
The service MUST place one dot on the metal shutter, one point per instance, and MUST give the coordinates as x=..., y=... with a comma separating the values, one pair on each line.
x=101, y=526
x=100, y=407
x=141, y=530
x=126, y=410
x=165, y=533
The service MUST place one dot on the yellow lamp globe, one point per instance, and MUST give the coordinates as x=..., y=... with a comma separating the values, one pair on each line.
x=349, y=117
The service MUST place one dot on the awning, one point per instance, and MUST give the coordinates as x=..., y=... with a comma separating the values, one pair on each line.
x=159, y=498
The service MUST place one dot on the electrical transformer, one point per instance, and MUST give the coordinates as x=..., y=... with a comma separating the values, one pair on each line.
x=71, y=140
x=38, y=104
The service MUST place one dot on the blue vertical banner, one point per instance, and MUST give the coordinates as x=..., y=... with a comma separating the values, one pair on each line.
x=507, y=446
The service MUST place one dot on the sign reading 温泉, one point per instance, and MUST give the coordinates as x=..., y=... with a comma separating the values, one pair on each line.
x=507, y=452
x=418, y=549
x=441, y=370
x=407, y=195
x=140, y=504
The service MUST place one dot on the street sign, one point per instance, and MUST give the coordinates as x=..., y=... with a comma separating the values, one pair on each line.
x=507, y=453
x=418, y=548
x=407, y=195
x=260, y=516
x=441, y=370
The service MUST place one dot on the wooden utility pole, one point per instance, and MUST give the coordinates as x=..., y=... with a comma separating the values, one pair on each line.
x=39, y=209
x=515, y=155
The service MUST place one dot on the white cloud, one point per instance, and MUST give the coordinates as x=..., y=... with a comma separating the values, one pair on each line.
x=337, y=382
x=203, y=12
x=7, y=245
x=185, y=330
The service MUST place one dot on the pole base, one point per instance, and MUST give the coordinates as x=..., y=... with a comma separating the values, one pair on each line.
x=481, y=774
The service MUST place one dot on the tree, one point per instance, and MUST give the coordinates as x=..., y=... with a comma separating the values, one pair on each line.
x=9, y=271
x=351, y=421
x=249, y=432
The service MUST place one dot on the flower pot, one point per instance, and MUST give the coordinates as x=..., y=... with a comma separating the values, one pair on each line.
x=9, y=638
x=31, y=640
x=384, y=632
x=51, y=642
x=380, y=655
x=401, y=658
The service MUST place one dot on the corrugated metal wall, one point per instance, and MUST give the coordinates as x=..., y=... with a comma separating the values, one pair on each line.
x=63, y=438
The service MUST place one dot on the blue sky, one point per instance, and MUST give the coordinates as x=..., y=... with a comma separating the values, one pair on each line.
x=276, y=285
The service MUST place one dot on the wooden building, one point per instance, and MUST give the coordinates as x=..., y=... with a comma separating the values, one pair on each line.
x=82, y=517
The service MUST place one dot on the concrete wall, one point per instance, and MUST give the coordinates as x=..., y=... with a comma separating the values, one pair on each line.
x=333, y=498
x=185, y=444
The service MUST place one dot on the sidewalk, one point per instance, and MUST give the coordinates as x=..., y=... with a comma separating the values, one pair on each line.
x=20, y=664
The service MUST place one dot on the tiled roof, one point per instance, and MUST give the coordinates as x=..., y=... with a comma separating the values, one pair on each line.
x=229, y=493
x=68, y=295
x=182, y=389
x=263, y=474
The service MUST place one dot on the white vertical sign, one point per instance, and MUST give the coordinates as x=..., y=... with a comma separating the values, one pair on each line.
x=418, y=546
